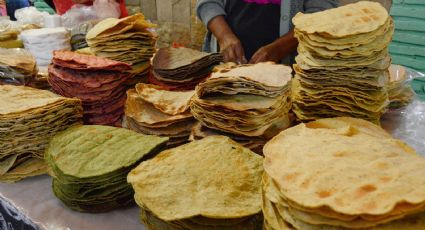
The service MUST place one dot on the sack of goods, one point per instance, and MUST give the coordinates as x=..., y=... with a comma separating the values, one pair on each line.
x=342, y=66
x=175, y=191
x=17, y=67
x=151, y=110
x=42, y=42
x=100, y=83
x=127, y=40
x=89, y=165
x=349, y=174
x=250, y=100
x=28, y=119
x=182, y=68
x=400, y=92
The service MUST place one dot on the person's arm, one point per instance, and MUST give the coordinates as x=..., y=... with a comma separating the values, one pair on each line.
x=230, y=45
x=211, y=13
x=277, y=50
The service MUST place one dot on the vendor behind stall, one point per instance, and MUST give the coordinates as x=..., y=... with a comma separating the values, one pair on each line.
x=254, y=30
x=64, y=5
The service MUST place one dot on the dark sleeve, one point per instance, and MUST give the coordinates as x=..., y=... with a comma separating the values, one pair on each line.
x=209, y=9
x=311, y=6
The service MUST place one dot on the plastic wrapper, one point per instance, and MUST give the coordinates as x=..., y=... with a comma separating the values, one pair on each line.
x=78, y=14
x=408, y=123
x=17, y=67
x=30, y=15
x=107, y=9
x=178, y=24
x=79, y=32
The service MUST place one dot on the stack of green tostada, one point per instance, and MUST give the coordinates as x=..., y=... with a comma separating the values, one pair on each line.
x=28, y=119
x=89, y=165
x=342, y=62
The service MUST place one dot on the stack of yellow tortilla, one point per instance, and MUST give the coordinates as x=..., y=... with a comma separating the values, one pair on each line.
x=342, y=173
x=214, y=184
x=127, y=40
x=28, y=119
x=342, y=63
x=152, y=110
x=9, y=38
x=249, y=100
x=399, y=92
x=17, y=67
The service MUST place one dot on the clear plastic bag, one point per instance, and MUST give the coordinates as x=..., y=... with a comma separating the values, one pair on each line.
x=30, y=15
x=77, y=15
x=107, y=8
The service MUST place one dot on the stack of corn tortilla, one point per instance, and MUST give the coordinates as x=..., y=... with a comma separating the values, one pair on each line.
x=349, y=174
x=214, y=183
x=152, y=110
x=89, y=165
x=28, y=119
x=342, y=66
x=17, y=67
x=400, y=92
x=99, y=82
x=182, y=68
x=250, y=101
x=127, y=40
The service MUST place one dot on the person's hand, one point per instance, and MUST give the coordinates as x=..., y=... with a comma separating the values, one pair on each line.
x=266, y=53
x=276, y=50
x=230, y=46
x=232, y=50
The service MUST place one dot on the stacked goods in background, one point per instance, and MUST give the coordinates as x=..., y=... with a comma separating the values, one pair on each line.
x=177, y=22
x=408, y=46
x=213, y=183
x=343, y=61
x=42, y=42
x=100, y=83
x=28, y=119
x=182, y=68
x=334, y=180
x=17, y=67
x=250, y=103
x=79, y=32
x=400, y=92
x=154, y=111
x=9, y=37
x=128, y=40
x=89, y=165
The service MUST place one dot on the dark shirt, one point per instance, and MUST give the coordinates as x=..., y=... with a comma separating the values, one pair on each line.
x=13, y=5
x=254, y=22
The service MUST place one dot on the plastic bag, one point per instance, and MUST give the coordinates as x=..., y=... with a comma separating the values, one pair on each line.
x=107, y=9
x=77, y=15
x=30, y=15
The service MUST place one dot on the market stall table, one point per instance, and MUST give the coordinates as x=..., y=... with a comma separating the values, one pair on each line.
x=31, y=201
